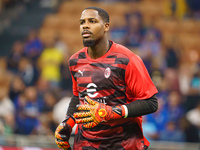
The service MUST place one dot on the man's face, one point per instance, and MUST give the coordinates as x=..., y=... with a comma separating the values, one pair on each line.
x=92, y=27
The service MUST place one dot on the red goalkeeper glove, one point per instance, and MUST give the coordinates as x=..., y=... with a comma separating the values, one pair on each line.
x=94, y=113
x=63, y=133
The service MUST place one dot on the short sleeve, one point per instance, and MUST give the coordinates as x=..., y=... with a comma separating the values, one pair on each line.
x=138, y=81
x=74, y=86
x=75, y=92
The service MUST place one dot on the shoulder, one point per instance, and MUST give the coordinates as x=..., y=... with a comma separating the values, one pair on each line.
x=76, y=55
x=124, y=52
x=81, y=54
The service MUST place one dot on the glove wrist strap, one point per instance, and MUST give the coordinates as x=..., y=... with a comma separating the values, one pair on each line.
x=125, y=111
x=69, y=120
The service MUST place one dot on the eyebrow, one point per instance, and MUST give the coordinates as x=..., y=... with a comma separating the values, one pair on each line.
x=88, y=19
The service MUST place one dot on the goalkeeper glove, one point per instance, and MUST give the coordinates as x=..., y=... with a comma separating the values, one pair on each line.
x=94, y=113
x=63, y=132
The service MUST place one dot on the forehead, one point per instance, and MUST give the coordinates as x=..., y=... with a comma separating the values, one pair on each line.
x=90, y=13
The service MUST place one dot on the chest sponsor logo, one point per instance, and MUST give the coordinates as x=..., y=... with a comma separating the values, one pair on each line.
x=91, y=90
x=107, y=72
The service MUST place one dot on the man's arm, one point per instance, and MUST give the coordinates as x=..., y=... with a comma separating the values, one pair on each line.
x=142, y=107
x=135, y=109
x=94, y=112
x=72, y=105
x=64, y=129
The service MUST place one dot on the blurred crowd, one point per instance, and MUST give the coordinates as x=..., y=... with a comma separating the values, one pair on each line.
x=36, y=86
x=33, y=78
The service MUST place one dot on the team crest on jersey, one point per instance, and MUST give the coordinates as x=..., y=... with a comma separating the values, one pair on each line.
x=107, y=72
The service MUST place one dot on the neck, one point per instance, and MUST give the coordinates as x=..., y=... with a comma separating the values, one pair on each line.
x=99, y=49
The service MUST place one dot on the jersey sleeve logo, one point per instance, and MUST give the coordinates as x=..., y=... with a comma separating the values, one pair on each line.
x=107, y=72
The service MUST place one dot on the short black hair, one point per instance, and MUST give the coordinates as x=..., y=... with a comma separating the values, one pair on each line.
x=101, y=12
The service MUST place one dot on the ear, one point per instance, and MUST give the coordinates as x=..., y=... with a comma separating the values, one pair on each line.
x=106, y=27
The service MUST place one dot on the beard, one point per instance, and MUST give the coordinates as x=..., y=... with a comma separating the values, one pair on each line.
x=89, y=43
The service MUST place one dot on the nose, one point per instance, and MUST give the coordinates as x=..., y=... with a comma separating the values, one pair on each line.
x=86, y=25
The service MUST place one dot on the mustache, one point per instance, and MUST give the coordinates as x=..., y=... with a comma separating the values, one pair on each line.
x=86, y=31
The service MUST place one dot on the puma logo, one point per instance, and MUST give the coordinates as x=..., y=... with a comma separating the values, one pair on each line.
x=81, y=72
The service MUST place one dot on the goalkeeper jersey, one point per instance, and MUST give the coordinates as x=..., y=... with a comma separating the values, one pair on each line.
x=118, y=77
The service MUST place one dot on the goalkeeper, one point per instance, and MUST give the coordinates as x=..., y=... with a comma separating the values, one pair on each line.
x=112, y=91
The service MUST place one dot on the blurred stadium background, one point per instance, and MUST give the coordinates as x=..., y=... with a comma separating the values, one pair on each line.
x=37, y=37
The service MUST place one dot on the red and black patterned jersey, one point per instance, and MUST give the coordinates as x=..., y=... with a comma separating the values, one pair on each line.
x=118, y=77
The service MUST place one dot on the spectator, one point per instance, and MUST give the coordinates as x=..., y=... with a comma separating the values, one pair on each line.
x=27, y=71
x=28, y=112
x=172, y=54
x=172, y=133
x=50, y=62
x=174, y=106
x=33, y=46
x=6, y=104
x=135, y=31
x=16, y=87
x=7, y=110
x=42, y=86
x=17, y=52
x=47, y=124
x=150, y=49
x=175, y=8
x=61, y=45
x=9, y=124
x=20, y=103
x=171, y=76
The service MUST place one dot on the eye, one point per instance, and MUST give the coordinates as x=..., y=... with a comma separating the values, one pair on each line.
x=93, y=21
x=81, y=22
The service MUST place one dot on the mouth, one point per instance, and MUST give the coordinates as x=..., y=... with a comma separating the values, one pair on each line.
x=86, y=33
